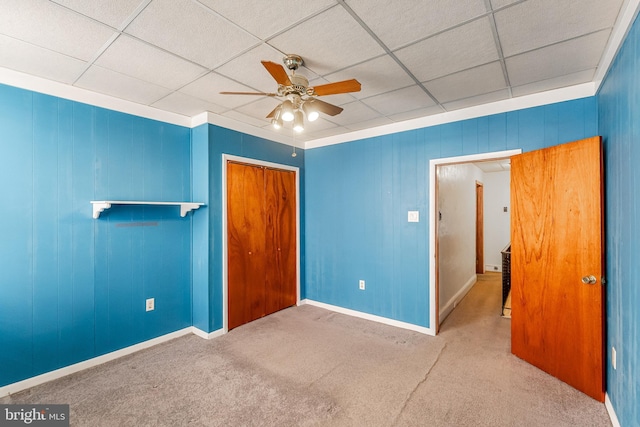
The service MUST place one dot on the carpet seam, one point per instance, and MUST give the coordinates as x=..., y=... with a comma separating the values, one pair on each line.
x=422, y=381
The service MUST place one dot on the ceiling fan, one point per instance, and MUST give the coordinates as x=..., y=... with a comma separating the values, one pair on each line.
x=298, y=96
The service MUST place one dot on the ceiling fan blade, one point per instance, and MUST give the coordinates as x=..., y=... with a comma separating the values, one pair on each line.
x=277, y=72
x=249, y=93
x=326, y=108
x=344, y=86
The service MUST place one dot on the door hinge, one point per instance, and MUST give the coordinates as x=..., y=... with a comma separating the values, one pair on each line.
x=603, y=281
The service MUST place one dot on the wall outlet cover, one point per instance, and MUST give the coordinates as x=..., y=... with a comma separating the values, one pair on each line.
x=413, y=216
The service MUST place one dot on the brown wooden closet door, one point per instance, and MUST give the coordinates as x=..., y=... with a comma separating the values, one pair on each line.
x=280, y=247
x=245, y=243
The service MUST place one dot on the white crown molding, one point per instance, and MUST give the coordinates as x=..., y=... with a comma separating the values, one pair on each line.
x=229, y=123
x=627, y=15
x=73, y=93
x=535, y=100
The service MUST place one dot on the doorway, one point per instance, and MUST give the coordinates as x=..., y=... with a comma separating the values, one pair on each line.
x=435, y=229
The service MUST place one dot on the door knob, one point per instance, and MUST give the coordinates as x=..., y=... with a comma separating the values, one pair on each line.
x=589, y=280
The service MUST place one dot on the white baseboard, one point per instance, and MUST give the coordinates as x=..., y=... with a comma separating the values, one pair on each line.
x=86, y=364
x=455, y=300
x=372, y=317
x=207, y=335
x=611, y=411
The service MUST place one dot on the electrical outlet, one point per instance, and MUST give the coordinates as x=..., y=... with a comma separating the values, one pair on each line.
x=613, y=357
x=361, y=285
x=151, y=304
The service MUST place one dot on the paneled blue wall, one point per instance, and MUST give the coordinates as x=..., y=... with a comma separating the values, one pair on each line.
x=358, y=194
x=71, y=287
x=224, y=141
x=619, y=123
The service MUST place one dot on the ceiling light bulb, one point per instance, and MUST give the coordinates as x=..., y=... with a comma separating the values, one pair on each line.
x=277, y=123
x=310, y=111
x=287, y=111
x=313, y=116
x=298, y=121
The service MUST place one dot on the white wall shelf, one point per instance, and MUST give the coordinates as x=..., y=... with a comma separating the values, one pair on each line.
x=100, y=206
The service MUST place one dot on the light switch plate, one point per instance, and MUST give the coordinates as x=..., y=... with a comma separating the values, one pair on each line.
x=413, y=216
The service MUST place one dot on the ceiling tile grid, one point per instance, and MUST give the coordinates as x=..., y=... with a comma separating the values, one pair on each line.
x=413, y=58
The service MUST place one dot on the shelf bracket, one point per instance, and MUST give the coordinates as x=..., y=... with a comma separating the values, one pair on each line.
x=99, y=207
x=185, y=208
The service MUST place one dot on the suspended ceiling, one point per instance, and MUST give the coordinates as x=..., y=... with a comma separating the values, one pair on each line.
x=414, y=58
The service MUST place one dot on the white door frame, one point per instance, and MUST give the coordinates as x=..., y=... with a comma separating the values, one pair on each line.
x=433, y=204
x=225, y=257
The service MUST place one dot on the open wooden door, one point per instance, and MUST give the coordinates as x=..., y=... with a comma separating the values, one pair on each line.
x=557, y=299
x=479, y=228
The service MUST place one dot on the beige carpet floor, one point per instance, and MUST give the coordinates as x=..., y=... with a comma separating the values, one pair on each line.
x=306, y=366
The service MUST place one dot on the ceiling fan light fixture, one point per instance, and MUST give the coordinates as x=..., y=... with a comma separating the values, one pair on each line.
x=287, y=111
x=276, y=121
x=310, y=111
x=298, y=121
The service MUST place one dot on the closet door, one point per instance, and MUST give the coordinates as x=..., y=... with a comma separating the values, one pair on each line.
x=245, y=243
x=280, y=245
x=261, y=242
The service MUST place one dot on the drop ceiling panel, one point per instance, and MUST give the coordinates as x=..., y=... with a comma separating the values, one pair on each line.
x=190, y=30
x=329, y=132
x=399, y=101
x=420, y=19
x=328, y=42
x=181, y=103
x=477, y=100
x=554, y=83
x=53, y=27
x=259, y=109
x=377, y=76
x=209, y=87
x=354, y=112
x=137, y=59
x=414, y=114
x=455, y=50
x=319, y=125
x=27, y=58
x=380, y=121
x=497, y=4
x=556, y=60
x=519, y=27
x=112, y=12
x=476, y=81
x=266, y=18
x=109, y=82
x=244, y=118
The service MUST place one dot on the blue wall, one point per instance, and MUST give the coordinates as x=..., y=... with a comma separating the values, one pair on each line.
x=358, y=194
x=214, y=141
x=619, y=123
x=71, y=287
